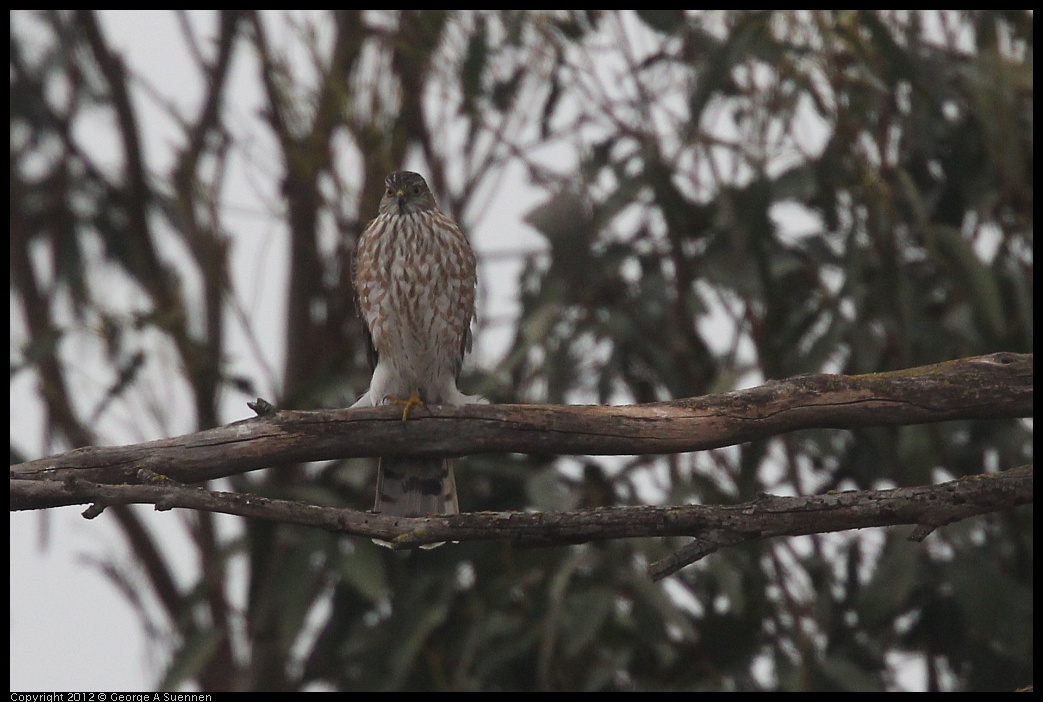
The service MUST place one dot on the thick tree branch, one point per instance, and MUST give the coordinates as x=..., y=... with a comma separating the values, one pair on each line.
x=984, y=387
x=713, y=527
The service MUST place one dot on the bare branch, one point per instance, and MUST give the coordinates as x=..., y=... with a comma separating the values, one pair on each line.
x=713, y=526
x=985, y=387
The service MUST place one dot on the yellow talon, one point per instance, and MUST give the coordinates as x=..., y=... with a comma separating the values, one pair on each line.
x=413, y=401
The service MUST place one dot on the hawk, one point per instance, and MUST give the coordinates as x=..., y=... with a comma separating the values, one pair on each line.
x=415, y=277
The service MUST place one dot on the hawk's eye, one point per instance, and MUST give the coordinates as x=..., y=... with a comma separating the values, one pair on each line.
x=416, y=189
x=389, y=191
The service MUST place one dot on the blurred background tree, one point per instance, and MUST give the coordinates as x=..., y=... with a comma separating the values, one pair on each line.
x=728, y=197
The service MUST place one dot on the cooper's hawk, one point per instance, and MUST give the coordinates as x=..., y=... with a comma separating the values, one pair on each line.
x=415, y=283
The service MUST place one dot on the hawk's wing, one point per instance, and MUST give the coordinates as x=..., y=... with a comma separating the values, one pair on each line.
x=371, y=350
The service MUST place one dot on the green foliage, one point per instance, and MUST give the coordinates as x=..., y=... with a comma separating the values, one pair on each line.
x=745, y=196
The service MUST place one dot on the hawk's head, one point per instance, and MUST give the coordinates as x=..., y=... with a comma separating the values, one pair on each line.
x=405, y=193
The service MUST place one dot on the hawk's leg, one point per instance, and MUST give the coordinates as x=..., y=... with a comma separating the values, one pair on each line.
x=413, y=401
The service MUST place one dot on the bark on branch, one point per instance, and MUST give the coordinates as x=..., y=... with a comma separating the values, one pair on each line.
x=712, y=527
x=984, y=387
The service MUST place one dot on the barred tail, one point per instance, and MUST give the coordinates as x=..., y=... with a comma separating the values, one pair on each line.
x=410, y=487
